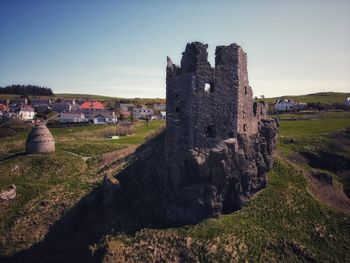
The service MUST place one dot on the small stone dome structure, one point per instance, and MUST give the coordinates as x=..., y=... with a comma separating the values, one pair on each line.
x=40, y=140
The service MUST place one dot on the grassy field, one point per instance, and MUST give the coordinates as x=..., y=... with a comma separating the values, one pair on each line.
x=312, y=115
x=321, y=97
x=53, y=183
x=284, y=222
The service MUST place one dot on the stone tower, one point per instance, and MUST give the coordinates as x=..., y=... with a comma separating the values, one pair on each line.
x=216, y=149
x=206, y=105
x=40, y=140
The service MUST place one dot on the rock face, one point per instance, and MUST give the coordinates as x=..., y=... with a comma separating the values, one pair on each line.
x=40, y=140
x=217, y=147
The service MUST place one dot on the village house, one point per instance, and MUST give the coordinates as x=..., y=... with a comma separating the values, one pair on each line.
x=4, y=101
x=142, y=112
x=89, y=107
x=347, y=101
x=125, y=114
x=159, y=107
x=37, y=102
x=72, y=117
x=42, y=108
x=3, y=108
x=162, y=115
x=61, y=107
x=69, y=101
x=284, y=105
x=26, y=112
x=19, y=101
x=300, y=106
x=102, y=118
x=126, y=107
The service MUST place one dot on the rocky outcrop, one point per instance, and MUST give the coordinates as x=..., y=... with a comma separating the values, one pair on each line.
x=217, y=147
x=220, y=179
x=208, y=183
x=8, y=194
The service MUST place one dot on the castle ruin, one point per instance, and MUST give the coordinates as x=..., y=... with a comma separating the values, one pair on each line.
x=206, y=105
x=216, y=149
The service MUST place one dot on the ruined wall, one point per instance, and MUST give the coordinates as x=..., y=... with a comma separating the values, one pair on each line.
x=206, y=105
x=217, y=146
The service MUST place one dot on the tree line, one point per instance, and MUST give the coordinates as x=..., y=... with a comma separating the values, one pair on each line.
x=26, y=90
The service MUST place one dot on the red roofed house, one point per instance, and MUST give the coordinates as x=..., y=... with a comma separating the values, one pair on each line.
x=3, y=107
x=26, y=112
x=91, y=106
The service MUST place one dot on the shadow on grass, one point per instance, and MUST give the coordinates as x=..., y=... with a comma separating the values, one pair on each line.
x=11, y=156
x=72, y=238
x=106, y=210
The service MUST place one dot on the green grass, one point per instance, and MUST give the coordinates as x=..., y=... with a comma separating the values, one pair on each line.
x=91, y=148
x=61, y=178
x=141, y=133
x=312, y=127
x=321, y=97
x=312, y=115
x=279, y=217
x=283, y=214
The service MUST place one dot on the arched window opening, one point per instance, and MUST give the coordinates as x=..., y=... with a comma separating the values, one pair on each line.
x=211, y=131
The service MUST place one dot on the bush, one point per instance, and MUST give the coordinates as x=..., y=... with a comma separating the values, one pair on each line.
x=119, y=130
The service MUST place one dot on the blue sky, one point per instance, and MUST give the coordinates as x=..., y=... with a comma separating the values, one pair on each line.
x=119, y=48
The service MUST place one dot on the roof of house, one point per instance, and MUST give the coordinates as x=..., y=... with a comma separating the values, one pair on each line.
x=71, y=115
x=92, y=105
x=27, y=108
x=125, y=113
x=285, y=101
x=104, y=114
x=3, y=107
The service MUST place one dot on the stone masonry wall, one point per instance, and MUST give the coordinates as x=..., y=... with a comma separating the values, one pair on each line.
x=206, y=105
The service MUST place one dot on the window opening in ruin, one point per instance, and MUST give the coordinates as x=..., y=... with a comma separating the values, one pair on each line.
x=244, y=127
x=209, y=87
x=211, y=131
x=245, y=90
x=244, y=114
x=177, y=109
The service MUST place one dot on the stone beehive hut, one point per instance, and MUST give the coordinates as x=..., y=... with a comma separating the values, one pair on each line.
x=40, y=140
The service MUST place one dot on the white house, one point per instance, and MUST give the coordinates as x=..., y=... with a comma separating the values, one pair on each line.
x=72, y=117
x=104, y=118
x=142, y=113
x=347, y=101
x=26, y=112
x=162, y=115
x=284, y=105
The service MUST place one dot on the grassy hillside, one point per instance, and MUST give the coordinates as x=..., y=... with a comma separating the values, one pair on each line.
x=286, y=222
x=50, y=185
x=321, y=97
x=294, y=219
